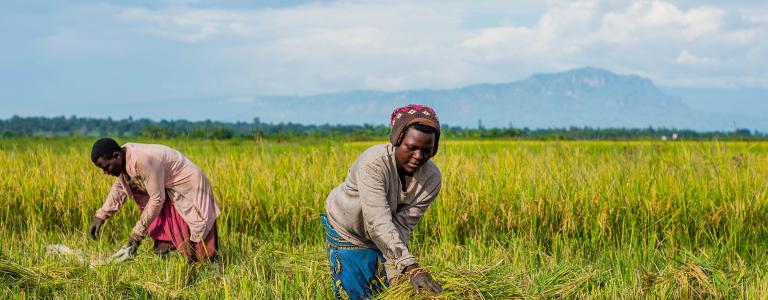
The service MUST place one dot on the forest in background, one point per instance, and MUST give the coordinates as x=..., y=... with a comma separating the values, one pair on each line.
x=98, y=127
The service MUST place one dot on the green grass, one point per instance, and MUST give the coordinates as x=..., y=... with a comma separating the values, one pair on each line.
x=533, y=220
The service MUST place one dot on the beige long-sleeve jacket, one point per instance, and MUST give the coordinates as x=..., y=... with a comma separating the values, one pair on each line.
x=369, y=208
x=155, y=171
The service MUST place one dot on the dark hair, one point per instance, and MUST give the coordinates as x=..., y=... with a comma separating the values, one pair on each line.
x=104, y=147
x=423, y=128
x=418, y=126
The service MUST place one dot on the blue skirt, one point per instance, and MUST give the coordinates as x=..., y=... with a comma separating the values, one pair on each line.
x=357, y=272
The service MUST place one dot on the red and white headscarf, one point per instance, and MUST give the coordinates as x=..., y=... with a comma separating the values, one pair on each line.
x=405, y=116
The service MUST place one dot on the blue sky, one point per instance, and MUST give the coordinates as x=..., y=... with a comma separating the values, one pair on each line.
x=95, y=58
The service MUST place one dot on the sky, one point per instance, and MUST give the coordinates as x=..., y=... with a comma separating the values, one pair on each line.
x=92, y=58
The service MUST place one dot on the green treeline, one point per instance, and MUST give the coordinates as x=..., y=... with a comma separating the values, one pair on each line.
x=94, y=127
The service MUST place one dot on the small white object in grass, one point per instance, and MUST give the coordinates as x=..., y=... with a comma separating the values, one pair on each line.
x=60, y=249
x=121, y=255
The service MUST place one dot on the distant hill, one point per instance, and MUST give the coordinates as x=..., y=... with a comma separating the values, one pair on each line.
x=580, y=97
x=742, y=107
x=583, y=97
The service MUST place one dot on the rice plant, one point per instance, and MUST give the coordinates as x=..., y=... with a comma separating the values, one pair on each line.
x=515, y=219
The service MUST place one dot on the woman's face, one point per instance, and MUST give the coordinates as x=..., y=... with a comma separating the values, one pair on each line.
x=112, y=165
x=416, y=149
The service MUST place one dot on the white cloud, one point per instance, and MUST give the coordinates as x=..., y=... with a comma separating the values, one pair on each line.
x=494, y=36
x=193, y=25
x=397, y=45
x=642, y=20
x=688, y=58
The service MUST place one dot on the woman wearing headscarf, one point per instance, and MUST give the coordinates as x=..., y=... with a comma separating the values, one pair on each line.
x=370, y=216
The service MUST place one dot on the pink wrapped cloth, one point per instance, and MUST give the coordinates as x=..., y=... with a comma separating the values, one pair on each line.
x=169, y=227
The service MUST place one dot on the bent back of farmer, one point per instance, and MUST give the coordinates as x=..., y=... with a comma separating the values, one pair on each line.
x=371, y=215
x=175, y=197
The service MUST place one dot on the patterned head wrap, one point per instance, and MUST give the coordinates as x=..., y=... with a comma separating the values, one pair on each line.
x=405, y=116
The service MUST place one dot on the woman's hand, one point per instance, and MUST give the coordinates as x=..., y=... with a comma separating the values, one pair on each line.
x=421, y=280
x=133, y=246
x=95, y=227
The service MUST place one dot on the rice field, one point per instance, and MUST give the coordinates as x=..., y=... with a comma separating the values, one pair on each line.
x=515, y=219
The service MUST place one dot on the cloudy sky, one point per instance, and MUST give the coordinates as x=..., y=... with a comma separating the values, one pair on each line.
x=78, y=57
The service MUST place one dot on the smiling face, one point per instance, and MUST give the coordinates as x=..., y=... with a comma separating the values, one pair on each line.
x=415, y=150
x=113, y=165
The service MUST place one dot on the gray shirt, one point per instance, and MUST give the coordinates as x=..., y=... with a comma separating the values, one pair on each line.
x=369, y=208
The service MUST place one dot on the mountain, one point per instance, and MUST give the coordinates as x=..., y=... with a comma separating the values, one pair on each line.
x=744, y=107
x=580, y=97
